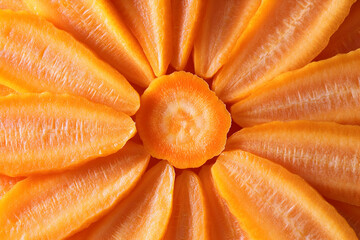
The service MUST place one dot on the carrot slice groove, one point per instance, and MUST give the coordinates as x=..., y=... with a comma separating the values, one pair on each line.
x=46, y=132
x=181, y=120
x=55, y=206
x=328, y=90
x=223, y=23
x=36, y=57
x=150, y=22
x=6, y=183
x=283, y=35
x=189, y=215
x=97, y=24
x=325, y=154
x=271, y=203
x=145, y=213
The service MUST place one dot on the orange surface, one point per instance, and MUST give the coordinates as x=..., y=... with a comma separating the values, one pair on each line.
x=6, y=183
x=15, y=5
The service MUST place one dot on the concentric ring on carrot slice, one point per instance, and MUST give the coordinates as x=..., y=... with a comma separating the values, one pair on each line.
x=181, y=120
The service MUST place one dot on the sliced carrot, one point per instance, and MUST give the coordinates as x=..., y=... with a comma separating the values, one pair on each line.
x=221, y=222
x=6, y=183
x=186, y=15
x=189, y=215
x=15, y=5
x=38, y=57
x=328, y=90
x=97, y=24
x=283, y=35
x=223, y=23
x=350, y=212
x=325, y=154
x=82, y=235
x=150, y=22
x=4, y=90
x=54, y=206
x=145, y=213
x=46, y=132
x=181, y=120
x=347, y=37
x=271, y=203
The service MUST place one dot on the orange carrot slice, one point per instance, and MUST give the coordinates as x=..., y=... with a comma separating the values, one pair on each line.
x=221, y=222
x=283, y=35
x=150, y=22
x=4, y=90
x=38, y=57
x=189, y=216
x=46, y=132
x=328, y=90
x=223, y=23
x=271, y=203
x=97, y=24
x=347, y=37
x=350, y=212
x=6, y=183
x=15, y=5
x=185, y=21
x=325, y=154
x=145, y=213
x=54, y=206
x=182, y=121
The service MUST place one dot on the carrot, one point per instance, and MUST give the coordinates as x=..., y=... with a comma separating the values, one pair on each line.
x=6, y=183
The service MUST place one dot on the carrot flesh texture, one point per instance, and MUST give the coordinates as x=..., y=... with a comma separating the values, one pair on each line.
x=328, y=90
x=145, y=213
x=325, y=154
x=186, y=17
x=98, y=25
x=47, y=132
x=272, y=203
x=189, y=215
x=6, y=183
x=282, y=36
x=181, y=120
x=4, y=90
x=55, y=206
x=223, y=24
x=150, y=22
x=15, y=5
x=222, y=223
x=38, y=57
x=347, y=37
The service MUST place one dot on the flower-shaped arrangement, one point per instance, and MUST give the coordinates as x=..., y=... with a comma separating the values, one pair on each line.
x=179, y=119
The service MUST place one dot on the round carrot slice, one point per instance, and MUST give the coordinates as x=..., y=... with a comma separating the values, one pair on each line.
x=182, y=120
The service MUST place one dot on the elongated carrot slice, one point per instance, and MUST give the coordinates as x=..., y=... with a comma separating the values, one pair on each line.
x=325, y=91
x=4, y=90
x=150, y=22
x=98, y=24
x=145, y=213
x=38, y=57
x=350, y=212
x=271, y=203
x=325, y=154
x=221, y=222
x=6, y=183
x=54, y=206
x=347, y=37
x=223, y=23
x=15, y=5
x=46, y=132
x=283, y=35
x=189, y=215
x=186, y=17
x=181, y=120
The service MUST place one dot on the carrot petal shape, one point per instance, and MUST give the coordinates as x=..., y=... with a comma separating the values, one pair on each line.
x=189, y=215
x=181, y=120
x=347, y=37
x=325, y=154
x=150, y=22
x=46, y=132
x=97, y=24
x=222, y=223
x=54, y=206
x=15, y=5
x=145, y=213
x=328, y=90
x=223, y=24
x=282, y=36
x=186, y=17
x=6, y=183
x=272, y=203
x=35, y=56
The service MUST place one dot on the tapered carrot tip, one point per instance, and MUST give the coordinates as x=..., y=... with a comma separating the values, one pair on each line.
x=181, y=120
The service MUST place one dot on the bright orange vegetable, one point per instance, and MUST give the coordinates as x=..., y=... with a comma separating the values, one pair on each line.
x=6, y=183
x=5, y=90
x=15, y=5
